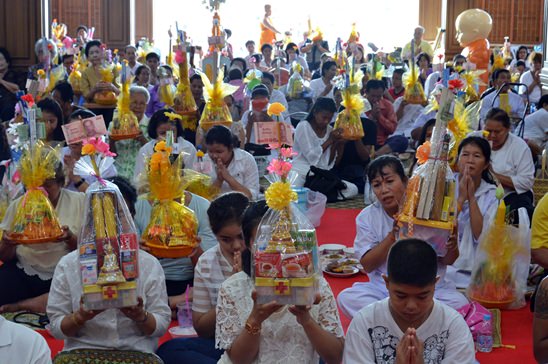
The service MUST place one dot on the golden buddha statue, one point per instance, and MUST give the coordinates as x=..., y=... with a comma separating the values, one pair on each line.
x=110, y=271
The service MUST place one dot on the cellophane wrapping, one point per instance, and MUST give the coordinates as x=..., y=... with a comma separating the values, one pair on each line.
x=414, y=92
x=106, y=97
x=216, y=111
x=286, y=264
x=108, y=249
x=501, y=266
x=200, y=184
x=125, y=124
x=429, y=210
x=295, y=85
x=173, y=228
x=35, y=219
x=183, y=102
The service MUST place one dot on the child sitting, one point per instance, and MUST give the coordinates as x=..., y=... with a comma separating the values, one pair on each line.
x=409, y=326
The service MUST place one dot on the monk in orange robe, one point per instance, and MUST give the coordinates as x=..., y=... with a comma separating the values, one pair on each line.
x=268, y=32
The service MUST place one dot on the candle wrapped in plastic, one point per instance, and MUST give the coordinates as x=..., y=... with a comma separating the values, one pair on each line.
x=125, y=124
x=35, y=219
x=501, y=265
x=216, y=111
x=105, y=97
x=108, y=245
x=173, y=227
x=183, y=101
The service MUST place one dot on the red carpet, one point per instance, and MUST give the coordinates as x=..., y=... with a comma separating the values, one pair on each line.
x=338, y=226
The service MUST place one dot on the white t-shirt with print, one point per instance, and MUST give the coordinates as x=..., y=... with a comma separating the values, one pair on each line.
x=373, y=336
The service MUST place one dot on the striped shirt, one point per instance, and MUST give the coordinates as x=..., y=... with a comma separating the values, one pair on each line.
x=210, y=272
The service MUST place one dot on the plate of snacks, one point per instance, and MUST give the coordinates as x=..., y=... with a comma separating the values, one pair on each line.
x=340, y=270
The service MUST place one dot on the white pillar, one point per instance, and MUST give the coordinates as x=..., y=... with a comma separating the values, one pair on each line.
x=544, y=72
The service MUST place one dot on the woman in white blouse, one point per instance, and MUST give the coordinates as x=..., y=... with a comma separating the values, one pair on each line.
x=158, y=127
x=233, y=169
x=272, y=333
x=511, y=161
x=323, y=86
x=318, y=144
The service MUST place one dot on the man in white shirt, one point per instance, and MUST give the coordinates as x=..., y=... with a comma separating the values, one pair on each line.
x=532, y=78
x=19, y=344
x=507, y=100
x=421, y=46
x=409, y=326
x=536, y=127
x=131, y=56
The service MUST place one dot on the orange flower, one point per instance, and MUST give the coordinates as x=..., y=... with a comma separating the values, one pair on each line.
x=88, y=149
x=276, y=109
x=161, y=146
x=423, y=152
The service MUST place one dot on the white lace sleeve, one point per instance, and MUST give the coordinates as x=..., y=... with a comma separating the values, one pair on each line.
x=328, y=315
x=228, y=320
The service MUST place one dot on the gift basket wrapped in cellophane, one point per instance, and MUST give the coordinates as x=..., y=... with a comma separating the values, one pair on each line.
x=183, y=102
x=108, y=75
x=295, y=85
x=199, y=183
x=429, y=211
x=75, y=76
x=414, y=92
x=216, y=111
x=349, y=82
x=173, y=227
x=285, y=254
x=501, y=265
x=125, y=124
x=108, y=245
x=35, y=219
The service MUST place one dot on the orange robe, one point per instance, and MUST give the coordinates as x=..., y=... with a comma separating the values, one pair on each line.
x=267, y=36
x=478, y=53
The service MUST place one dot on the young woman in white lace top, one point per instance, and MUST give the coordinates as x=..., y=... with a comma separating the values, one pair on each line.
x=272, y=333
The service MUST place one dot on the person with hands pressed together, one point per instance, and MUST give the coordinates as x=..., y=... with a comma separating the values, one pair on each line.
x=233, y=169
x=28, y=269
x=269, y=333
x=214, y=266
x=410, y=325
x=476, y=204
x=323, y=86
x=377, y=231
x=92, y=83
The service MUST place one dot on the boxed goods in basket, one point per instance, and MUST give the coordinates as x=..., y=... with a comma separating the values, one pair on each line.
x=286, y=262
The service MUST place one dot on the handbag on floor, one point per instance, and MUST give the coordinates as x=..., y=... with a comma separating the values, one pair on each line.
x=326, y=182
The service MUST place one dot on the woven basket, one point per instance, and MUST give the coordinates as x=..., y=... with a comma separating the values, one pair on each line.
x=540, y=187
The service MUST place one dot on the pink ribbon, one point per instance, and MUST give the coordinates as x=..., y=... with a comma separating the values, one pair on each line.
x=101, y=181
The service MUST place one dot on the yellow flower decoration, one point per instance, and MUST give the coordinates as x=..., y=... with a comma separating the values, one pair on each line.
x=161, y=146
x=172, y=116
x=279, y=195
x=485, y=133
x=88, y=149
x=41, y=73
x=276, y=109
x=200, y=154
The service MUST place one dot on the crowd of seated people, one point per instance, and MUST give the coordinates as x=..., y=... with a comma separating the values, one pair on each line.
x=231, y=326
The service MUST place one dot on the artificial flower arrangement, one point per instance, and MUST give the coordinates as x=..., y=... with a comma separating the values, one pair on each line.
x=108, y=244
x=35, y=219
x=183, y=102
x=173, y=228
x=216, y=111
x=285, y=253
x=106, y=97
x=472, y=82
x=429, y=211
x=125, y=124
x=349, y=82
x=501, y=266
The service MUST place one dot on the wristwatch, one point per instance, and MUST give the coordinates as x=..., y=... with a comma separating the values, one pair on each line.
x=79, y=183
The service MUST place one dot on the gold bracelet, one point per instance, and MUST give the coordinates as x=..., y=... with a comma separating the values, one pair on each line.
x=75, y=320
x=143, y=320
x=252, y=329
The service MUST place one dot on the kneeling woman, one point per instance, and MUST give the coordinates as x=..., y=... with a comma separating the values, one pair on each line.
x=318, y=144
x=376, y=232
x=272, y=333
x=477, y=204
